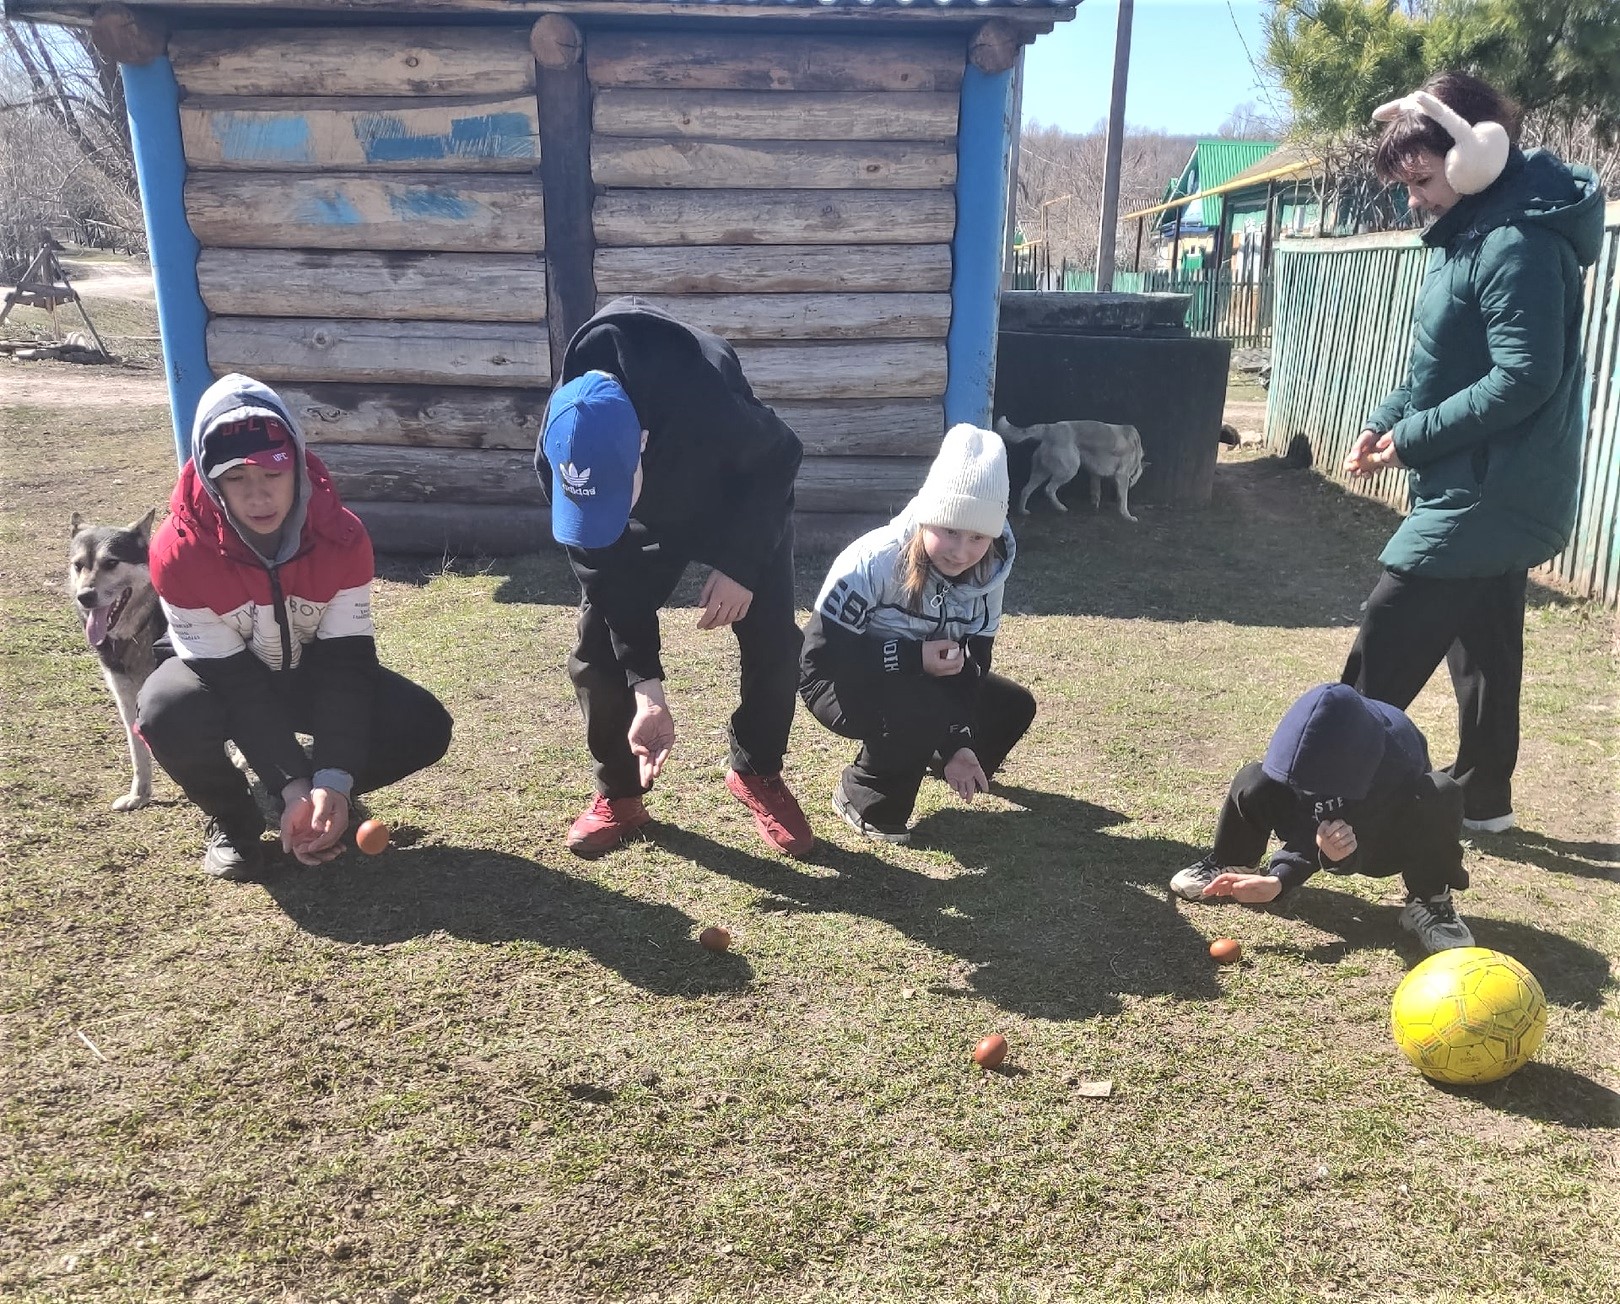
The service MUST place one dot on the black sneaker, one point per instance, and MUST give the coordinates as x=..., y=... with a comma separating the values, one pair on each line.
x=234, y=850
x=1435, y=922
x=1189, y=883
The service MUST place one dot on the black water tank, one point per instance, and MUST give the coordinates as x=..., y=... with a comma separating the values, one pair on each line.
x=1122, y=358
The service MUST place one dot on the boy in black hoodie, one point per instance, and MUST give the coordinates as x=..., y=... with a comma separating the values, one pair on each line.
x=655, y=453
x=1346, y=785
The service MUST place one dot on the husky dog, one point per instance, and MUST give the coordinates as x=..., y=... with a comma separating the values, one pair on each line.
x=112, y=591
x=1065, y=448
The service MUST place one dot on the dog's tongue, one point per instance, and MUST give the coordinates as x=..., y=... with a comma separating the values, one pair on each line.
x=95, y=625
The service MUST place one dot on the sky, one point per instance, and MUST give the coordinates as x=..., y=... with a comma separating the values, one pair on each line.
x=1189, y=69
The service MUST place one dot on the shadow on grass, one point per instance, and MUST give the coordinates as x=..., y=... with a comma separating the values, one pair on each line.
x=1549, y=1093
x=1052, y=919
x=1599, y=860
x=488, y=896
x=1570, y=973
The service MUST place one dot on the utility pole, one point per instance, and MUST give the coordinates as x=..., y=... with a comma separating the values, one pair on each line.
x=1114, y=148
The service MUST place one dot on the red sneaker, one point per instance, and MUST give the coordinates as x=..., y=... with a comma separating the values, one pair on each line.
x=776, y=814
x=605, y=824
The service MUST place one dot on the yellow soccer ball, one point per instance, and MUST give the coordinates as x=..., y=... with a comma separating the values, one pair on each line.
x=1469, y=1016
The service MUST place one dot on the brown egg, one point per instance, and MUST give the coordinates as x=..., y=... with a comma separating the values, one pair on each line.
x=1225, y=951
x=371, y=837
x=990, y=1051
x=714, y=938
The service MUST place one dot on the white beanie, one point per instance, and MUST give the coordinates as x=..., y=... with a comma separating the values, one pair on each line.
x=966, y=488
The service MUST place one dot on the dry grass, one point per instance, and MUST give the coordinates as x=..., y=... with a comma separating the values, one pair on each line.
x=476, y=1067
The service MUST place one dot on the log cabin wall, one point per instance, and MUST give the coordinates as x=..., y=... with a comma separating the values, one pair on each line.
x=796, y=195
x=369, y=207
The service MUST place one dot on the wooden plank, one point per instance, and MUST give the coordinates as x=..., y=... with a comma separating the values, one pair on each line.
x=886, y=369
x=380, y=352
x=441, y=529
x=858, y=484
x=353, y=61
x=871, y=429
x=777, y=269
x=373, y=473
x=731, y=217
x=397, y=286
x=459, y=134
x=737, y=61
x=565, y=100
x=811, y=316
x=776, y=115
x=491, y=477
x=337, y=210
x=428, y=416
x=772, y=164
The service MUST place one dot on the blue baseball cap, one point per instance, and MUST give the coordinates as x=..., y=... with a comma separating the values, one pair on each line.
x=592, y=441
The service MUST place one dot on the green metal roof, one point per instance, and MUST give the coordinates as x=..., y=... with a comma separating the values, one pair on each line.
x=1213, y=163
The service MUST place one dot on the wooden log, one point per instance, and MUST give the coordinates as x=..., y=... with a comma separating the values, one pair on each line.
x=287, y=133
x=994, y=47
x=123, y=36
x=338, y=210
x=775, y=269
x=368, y=473
x=898, y=428
x=352, y=61
x=732, y=217
x=556, y=43
x=456, y=529
x=395, y=286
x=630, y=162
x=734, y=61
x=404, y=352
x=375, y=473
x=775, y=115
x=826, y=534
x=858, y=484
x=565, y=104
x=428, y=416
x=811, y=316
x=889, y=369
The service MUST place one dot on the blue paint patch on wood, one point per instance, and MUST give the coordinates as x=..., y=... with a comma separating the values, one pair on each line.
x=329, y=210
x=983, y=146
x=386, y=139
x=262, y=138
x=152, y=97
x=433, y=203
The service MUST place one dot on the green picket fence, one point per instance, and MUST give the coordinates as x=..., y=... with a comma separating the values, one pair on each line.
x=1341, y=331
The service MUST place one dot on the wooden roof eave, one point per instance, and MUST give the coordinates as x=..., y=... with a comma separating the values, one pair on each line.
x=1028, y=20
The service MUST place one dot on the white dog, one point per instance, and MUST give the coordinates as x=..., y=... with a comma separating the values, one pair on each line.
x=1065, y=448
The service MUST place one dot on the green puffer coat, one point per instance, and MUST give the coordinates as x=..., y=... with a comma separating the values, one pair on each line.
x=1491, y=417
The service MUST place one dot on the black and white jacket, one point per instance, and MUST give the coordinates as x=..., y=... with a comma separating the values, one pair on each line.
x=862, y=626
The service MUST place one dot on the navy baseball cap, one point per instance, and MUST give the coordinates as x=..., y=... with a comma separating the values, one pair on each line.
x=592, y=441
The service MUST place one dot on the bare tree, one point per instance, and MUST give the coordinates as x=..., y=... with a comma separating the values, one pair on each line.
x=66, y=164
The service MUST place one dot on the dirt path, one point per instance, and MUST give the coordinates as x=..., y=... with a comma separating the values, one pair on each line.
x=109, y=280
x=73, y=385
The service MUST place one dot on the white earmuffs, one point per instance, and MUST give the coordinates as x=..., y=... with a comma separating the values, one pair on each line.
x=1480, y=152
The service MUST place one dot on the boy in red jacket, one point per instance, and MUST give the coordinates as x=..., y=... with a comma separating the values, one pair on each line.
x=266, y=581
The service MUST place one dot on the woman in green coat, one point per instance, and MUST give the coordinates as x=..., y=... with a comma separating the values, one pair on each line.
x=1490, y=420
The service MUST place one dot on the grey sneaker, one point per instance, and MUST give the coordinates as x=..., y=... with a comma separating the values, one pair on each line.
x=852, y=817
x=1496, y=824
x=234, y=848
x=1435, y=922
x=1189, y=883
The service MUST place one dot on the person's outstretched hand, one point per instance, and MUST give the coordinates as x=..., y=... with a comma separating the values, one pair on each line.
x=652, y=731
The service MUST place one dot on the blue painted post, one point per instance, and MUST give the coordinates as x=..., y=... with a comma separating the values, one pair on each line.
x=153, y=98
x=984, y=141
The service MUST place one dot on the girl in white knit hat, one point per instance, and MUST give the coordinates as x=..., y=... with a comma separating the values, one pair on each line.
x=897, y=652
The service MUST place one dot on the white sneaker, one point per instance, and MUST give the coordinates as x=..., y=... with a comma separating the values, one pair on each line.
x=1436, y=924
x=852, y=817
x=1497, y=824
x=1189, y=883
